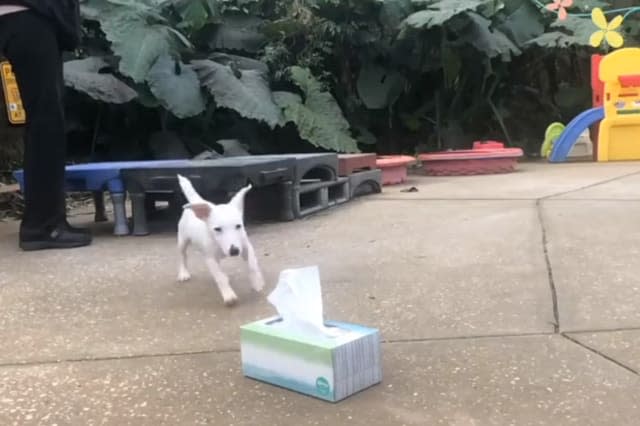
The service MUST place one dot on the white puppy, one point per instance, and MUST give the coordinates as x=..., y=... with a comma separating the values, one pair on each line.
x=217, y=231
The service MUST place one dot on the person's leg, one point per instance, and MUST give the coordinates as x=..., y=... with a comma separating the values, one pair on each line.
x=31, y=48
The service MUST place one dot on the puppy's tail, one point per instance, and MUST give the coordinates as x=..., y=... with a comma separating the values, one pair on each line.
x=189, y=192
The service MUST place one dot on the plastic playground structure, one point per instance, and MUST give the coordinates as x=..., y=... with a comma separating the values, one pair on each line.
x=616, y=98
x=616, y=88
x=614, y=120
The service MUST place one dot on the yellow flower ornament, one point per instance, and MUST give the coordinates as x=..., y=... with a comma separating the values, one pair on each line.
x=607, y=30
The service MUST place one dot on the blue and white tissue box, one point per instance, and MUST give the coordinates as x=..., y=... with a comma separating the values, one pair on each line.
x=329, y=368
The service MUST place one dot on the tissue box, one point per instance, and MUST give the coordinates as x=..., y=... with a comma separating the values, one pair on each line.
x=329, y=368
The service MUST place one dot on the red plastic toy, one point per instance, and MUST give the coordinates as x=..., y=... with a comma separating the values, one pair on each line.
x=485, y=158
x=394, y=168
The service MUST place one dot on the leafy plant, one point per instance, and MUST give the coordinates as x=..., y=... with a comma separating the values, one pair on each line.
x=245, y=91
x=317, y=116
x=339, y=75
x=155, y=42
x=176, y=86
x=85, y=75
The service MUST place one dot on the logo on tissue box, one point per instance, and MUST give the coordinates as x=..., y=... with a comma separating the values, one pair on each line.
x=322, y=386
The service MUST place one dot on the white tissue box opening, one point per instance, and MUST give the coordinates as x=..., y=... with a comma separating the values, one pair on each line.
x=329, y=368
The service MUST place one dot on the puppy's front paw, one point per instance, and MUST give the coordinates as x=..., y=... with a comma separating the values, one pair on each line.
x=183, y=276
x=257, y=281
x=230, y=299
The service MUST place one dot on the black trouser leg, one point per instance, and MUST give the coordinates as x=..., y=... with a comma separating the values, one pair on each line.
x=31, y=47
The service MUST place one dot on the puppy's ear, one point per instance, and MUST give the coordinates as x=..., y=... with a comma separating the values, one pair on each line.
x=238, y=200
x=202, y=210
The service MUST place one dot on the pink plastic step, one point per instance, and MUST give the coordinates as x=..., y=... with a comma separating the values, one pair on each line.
x=485, y=158
x=394, y=168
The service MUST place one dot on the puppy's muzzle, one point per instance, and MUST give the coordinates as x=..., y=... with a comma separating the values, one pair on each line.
x=234, y=251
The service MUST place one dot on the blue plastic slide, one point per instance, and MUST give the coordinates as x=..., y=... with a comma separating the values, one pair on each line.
x=568, y=138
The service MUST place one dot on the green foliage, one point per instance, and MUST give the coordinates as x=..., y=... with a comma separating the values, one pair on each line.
x=490, y=41
x=572, y=32
x=238, y=33
x=523, y=24
x=379, y=87
x=176, y=86
x=88, y=76
x=246, y=92
x=339, y=72
x=318, y=117
x=439, y=12
x=393, y=12
x=136, y=59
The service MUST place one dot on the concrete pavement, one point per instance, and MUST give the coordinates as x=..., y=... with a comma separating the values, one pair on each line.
x=501, y=300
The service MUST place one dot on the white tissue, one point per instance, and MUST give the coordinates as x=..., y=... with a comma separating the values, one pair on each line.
x=298, y=300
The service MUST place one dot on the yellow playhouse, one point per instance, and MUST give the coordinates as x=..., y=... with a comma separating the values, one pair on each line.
x=619, y=137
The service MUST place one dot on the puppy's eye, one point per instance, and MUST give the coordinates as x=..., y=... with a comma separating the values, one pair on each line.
x=238, y=226
x=218, y=229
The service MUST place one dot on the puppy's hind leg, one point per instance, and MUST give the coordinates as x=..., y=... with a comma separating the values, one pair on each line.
x=255, y=275
x=183, y=272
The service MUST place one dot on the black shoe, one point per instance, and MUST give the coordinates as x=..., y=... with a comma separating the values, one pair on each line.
x=61, y=237
x=73, y=229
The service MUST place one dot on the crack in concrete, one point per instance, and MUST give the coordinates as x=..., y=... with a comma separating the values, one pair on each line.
x=551, y=197
x=602, y=330
x=471, y=337
x=593, y=185
x=565, y=335
x=451, y=199
x=601, y=354
x=554, y=293
x=38, y=363
x=604, y=200
x=548, y=200
x=556, y=310
x=545, y=248
x=547, y=261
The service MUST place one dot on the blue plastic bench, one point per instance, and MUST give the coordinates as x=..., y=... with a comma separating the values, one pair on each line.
x=100, y=177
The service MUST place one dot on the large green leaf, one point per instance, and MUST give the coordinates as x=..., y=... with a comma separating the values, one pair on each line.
x=580, y=28
x=148, y=8
x=489, y=41
x=379, y=87
x=136, y=41
x=523, y=24
x=142, y=4
x=573, y=31
x=281, y=28
x=147, y=14
x=84, y=75
x=631, y=31
x=94, y=9
x=239, y=33
x=194, y=13
x=246, y=92
x=440, y=11
x=145, y=97
x=176, y=86
x=240, y=62
x=393, y=12
x=318, y=117
x=589, y=5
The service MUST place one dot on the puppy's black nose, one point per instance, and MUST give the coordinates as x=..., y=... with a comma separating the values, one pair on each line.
x=234, y=251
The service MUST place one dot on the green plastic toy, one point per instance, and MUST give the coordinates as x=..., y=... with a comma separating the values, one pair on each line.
x=551, y=135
